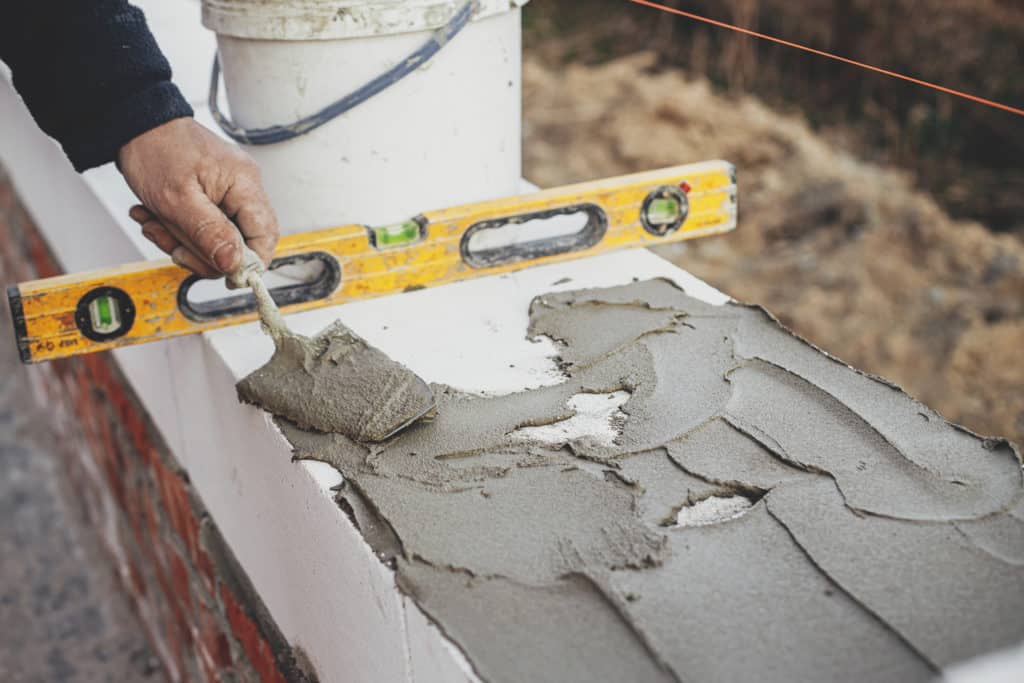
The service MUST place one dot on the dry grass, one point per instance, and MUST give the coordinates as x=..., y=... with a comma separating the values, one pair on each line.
x=966, y=155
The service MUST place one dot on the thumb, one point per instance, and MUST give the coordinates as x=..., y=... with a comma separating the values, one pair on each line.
x=205, y=230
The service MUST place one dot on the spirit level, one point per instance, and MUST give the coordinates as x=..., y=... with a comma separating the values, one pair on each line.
x=149, y=301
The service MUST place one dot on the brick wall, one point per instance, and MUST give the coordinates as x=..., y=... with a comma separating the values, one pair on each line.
x=201, y=613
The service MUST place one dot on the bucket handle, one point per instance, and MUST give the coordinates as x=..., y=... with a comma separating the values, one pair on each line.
x=278, y=133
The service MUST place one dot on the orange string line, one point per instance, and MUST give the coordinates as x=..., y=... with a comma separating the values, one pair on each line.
x=829, y=55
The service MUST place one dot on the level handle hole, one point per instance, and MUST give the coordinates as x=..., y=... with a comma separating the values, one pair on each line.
x=290, y=279
x=533, y=235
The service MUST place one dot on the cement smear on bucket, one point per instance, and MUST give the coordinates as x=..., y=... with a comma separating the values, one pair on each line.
x=880, y=542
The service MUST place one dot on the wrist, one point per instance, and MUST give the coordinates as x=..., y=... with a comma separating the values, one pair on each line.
x=125, y=151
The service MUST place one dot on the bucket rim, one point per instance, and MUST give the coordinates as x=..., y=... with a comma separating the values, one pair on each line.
x=336, y=19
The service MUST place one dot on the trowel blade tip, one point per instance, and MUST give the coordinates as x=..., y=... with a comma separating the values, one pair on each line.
x=427, y=414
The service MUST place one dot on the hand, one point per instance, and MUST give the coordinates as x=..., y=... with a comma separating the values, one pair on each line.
x=200, y=197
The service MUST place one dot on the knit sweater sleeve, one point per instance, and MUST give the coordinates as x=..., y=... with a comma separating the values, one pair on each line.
x=90, y=72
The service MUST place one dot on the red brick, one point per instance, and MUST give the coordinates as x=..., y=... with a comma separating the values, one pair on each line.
x=207, y=573
x=166, y=586
x=213, y=641
x=178, y=507
x=210, y=672
x=256, y=649
x=180, y=580
x=150, y=521
x=173, y=637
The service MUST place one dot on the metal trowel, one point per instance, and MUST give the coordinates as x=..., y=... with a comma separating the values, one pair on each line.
x=333, y=382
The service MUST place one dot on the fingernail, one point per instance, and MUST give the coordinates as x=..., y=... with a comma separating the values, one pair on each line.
x=224, y=256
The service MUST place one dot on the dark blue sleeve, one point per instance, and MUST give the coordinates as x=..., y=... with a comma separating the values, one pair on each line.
x=90, y=72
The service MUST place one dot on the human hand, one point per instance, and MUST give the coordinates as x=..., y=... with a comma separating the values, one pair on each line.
x=200, y=197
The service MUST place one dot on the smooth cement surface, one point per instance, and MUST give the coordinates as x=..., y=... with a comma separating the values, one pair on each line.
x=766, y=512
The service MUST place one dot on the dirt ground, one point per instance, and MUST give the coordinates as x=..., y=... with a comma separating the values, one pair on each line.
x=843, y=251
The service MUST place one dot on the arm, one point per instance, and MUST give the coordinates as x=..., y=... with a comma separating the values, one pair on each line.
x=93, y=77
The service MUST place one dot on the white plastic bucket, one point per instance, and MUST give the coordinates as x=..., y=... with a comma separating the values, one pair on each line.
x=448, y=133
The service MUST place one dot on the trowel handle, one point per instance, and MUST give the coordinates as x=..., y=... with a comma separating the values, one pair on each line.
x=251, y=263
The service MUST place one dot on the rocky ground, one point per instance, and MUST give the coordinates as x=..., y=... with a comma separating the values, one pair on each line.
x=843, y=251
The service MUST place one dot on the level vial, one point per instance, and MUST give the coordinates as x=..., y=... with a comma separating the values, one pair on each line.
x=664, y=211
x=397, y=235
x=105, y=315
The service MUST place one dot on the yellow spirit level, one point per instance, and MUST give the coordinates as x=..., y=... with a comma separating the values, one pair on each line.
x=149, y=301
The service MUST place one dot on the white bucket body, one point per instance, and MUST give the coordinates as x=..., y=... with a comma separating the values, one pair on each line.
x=447, y=134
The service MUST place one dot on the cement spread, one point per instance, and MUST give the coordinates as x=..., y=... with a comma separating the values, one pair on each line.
x=877, y=541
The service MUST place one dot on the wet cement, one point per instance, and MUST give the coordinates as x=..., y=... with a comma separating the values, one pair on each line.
x=349, y=387
x=876, y=541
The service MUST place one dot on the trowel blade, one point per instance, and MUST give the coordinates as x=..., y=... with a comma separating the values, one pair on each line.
x=425, y=407
x=338, y=383
x=387, y=395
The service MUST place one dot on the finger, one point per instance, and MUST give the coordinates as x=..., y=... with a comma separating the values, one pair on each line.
x=190, y=260
x=168, y=239
x=140, y=214
x=155, y=231
x=205, y=230
x=247, y=203
x=165, y=239
x=186, y=258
